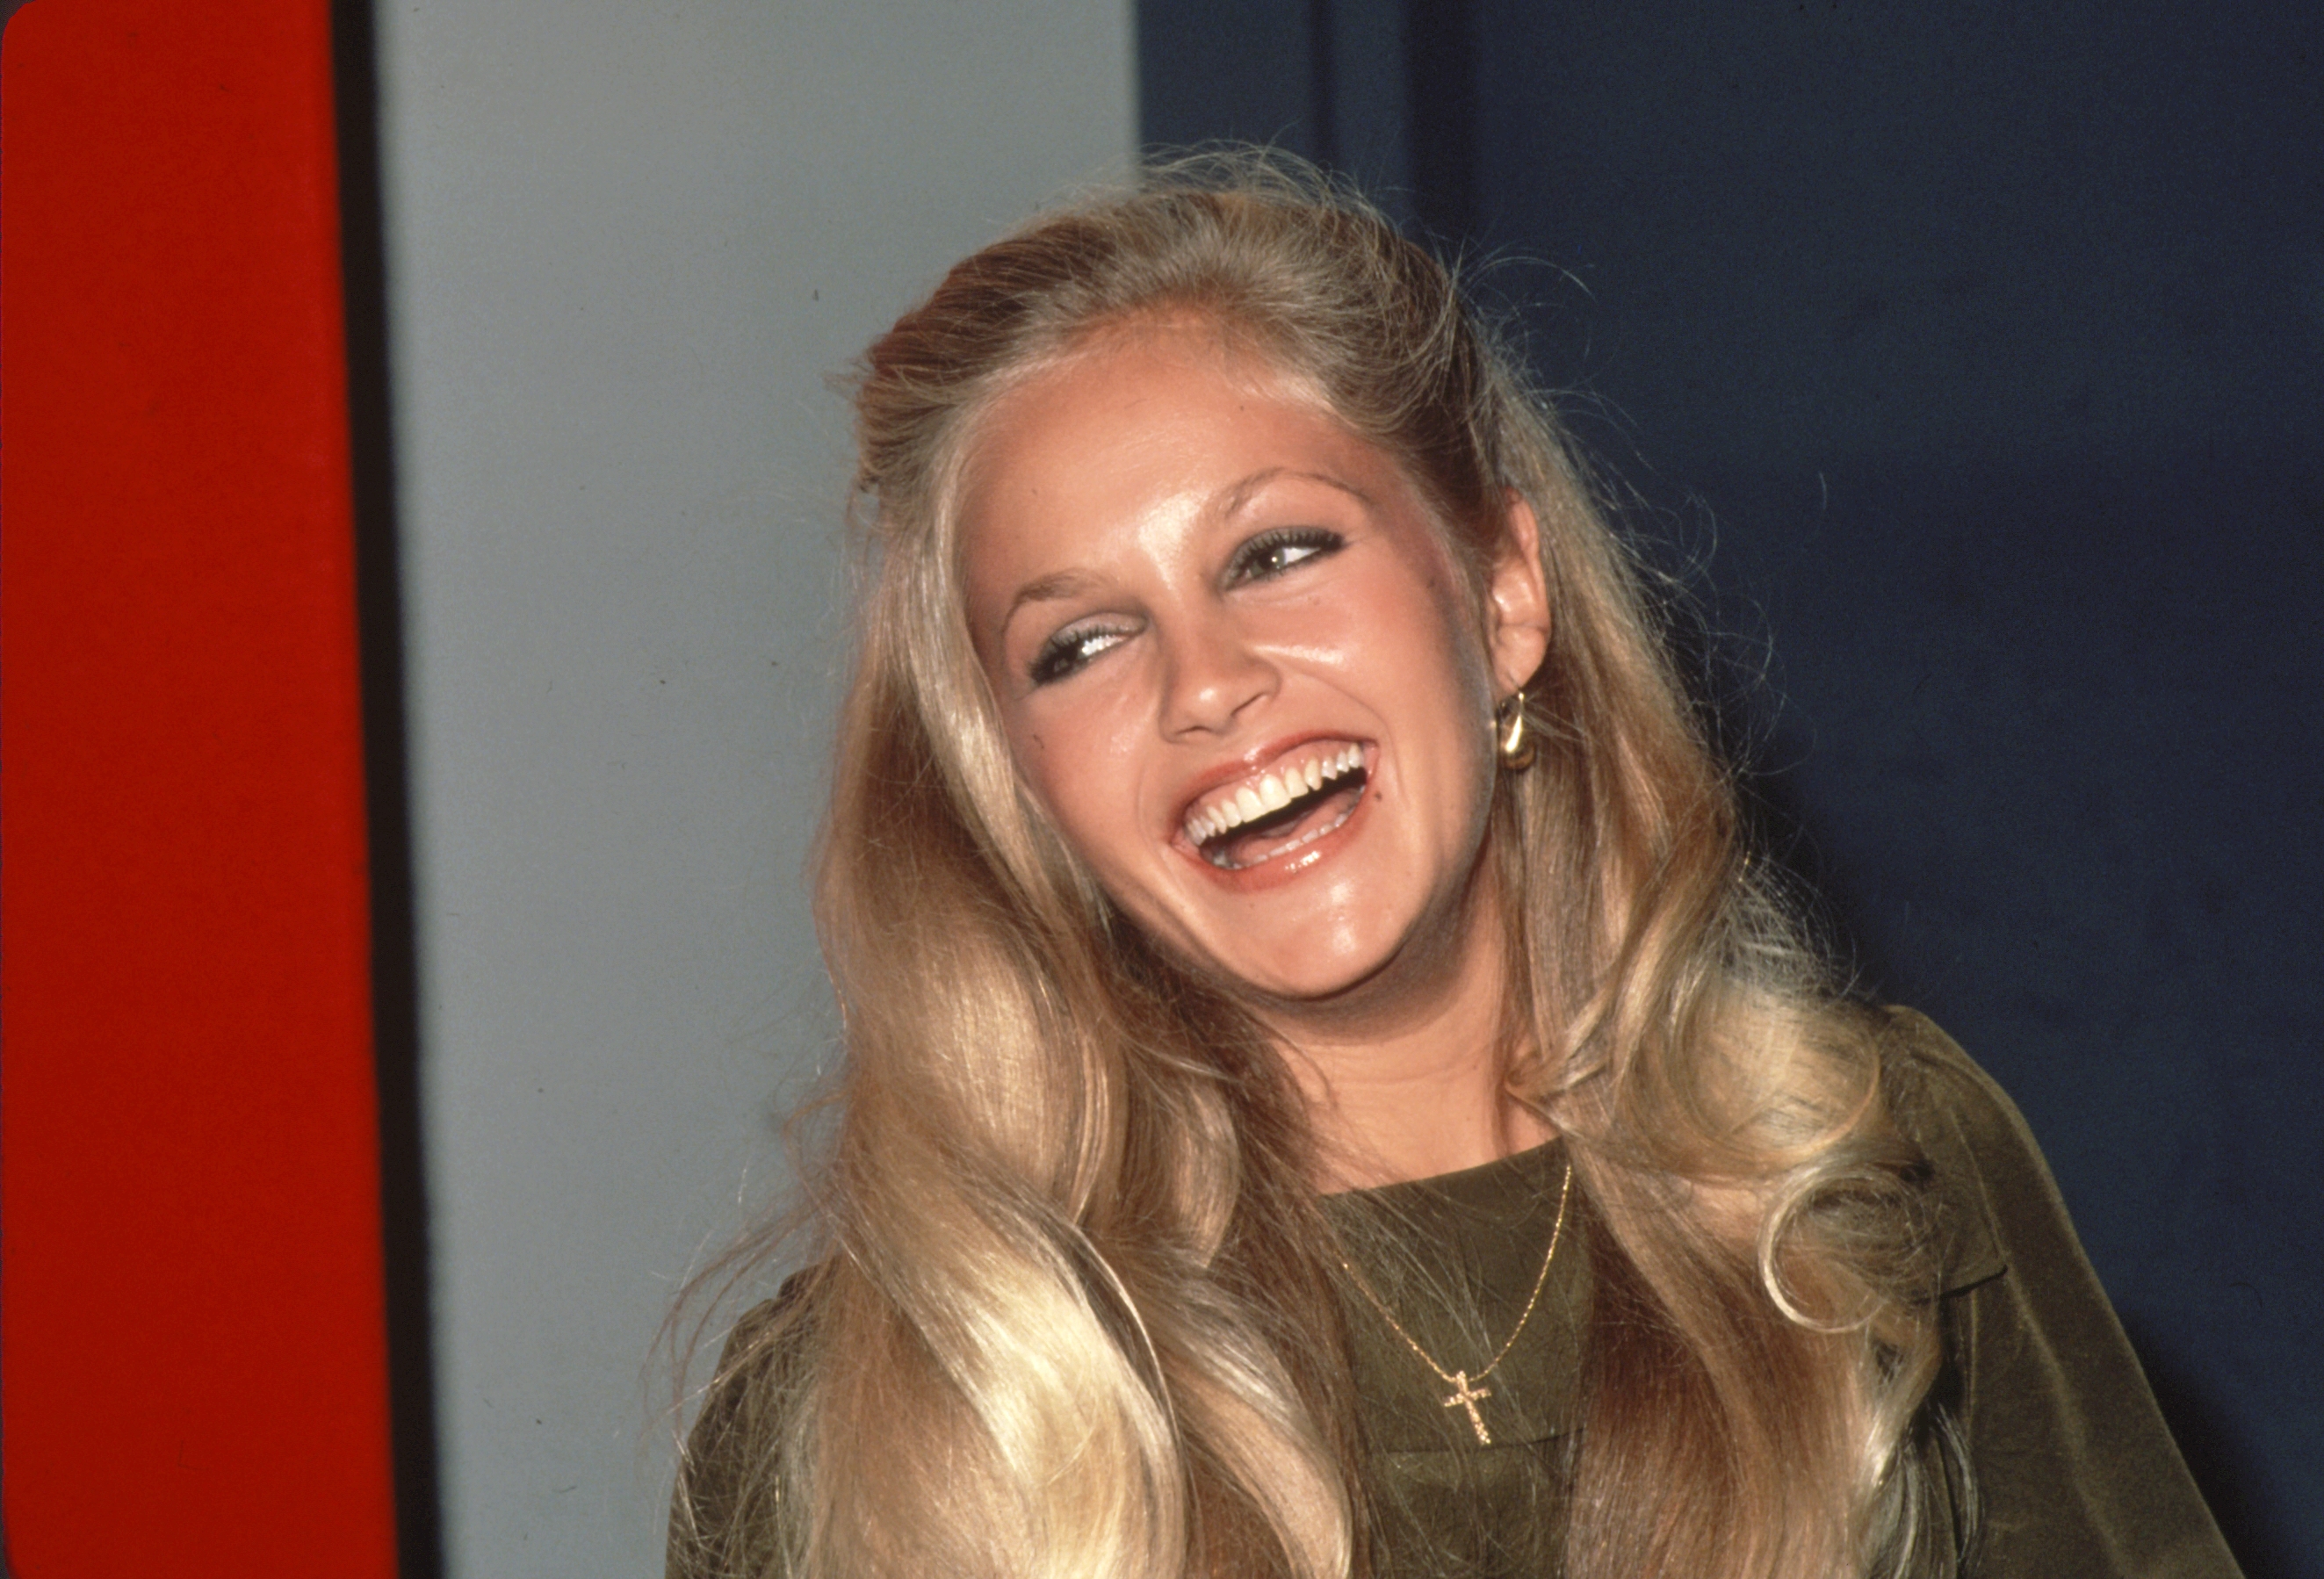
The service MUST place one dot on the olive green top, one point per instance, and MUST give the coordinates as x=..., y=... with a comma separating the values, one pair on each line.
x=2076, y=1475
x=1456, y=1259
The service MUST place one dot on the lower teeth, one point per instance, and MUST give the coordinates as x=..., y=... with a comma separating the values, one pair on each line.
x=1219, y=857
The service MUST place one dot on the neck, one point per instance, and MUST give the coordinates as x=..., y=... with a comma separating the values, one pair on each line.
x=1406, y=1080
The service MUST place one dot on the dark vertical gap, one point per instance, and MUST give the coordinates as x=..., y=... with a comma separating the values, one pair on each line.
x=1441, y=76
x=1323, y=87
x=394, y=976
x=1149, y=46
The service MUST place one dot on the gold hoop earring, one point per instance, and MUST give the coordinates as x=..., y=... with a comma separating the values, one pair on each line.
x=1515, y=746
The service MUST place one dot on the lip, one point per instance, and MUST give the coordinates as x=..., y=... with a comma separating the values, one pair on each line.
x=1269, y=874
x=1263, y=875
x=1249, y=765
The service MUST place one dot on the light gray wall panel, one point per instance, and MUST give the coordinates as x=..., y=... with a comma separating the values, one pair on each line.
x=627, y=243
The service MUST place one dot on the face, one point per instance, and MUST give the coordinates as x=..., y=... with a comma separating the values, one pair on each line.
x=1236, y=664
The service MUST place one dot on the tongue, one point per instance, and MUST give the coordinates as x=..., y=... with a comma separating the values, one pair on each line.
x=1255, y=841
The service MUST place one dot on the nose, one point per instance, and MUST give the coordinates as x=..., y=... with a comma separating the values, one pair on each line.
x=1214, y=672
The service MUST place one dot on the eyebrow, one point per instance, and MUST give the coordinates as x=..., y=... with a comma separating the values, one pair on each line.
x=1056, y=584
x=1231, y=499
x=1228, y=502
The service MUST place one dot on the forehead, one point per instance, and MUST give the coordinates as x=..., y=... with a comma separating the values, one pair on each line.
x=1142, y=430
x=1121, y=385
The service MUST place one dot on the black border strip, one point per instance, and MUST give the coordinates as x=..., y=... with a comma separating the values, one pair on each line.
x=394, y=975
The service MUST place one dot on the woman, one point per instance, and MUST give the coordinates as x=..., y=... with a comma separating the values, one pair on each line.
x=1326, y=1090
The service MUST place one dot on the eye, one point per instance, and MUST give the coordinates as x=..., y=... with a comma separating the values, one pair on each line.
x=1070, y=651
x=1271, y=553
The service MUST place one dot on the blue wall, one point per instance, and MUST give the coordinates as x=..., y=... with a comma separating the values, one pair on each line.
x=1970, y=355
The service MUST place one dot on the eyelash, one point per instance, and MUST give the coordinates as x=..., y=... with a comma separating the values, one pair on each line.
x=1071, y=650
x=1247, y=563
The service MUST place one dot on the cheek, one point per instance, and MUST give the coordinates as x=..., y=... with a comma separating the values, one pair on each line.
x=1447, y=688
x=1029, y=750
x=1421, y=639
x=1072, y=763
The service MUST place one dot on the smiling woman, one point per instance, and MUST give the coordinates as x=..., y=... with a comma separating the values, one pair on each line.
x=1191, y=588
x=1298, y=958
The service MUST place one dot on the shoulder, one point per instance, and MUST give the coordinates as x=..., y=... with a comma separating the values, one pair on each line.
x=1988, y=1172
x=2076, y=1468
x=1934, y=1083
x=726, y=1512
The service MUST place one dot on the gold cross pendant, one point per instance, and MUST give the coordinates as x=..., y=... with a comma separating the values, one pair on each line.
x=1466, y=1399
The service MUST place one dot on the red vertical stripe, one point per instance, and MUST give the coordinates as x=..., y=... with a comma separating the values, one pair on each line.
x=192, y=1335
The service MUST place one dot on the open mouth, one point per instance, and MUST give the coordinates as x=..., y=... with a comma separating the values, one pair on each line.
x=1280, y=812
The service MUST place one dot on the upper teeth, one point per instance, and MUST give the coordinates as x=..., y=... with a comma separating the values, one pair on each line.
x=1271, y=791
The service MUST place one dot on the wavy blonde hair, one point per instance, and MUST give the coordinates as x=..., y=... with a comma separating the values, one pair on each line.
x=1072, y=1311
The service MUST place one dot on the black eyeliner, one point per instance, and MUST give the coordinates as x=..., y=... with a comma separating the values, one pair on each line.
x=1061, y=654
x=1322, y=539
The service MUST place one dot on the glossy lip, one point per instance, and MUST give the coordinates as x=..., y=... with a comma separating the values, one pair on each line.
x=1270, y=873
x=1255, y=762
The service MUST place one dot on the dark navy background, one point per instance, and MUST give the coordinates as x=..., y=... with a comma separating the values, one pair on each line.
x=1969, y=359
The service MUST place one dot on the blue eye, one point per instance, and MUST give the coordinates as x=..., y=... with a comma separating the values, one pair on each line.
x=1070, y=651
x=1271, y=553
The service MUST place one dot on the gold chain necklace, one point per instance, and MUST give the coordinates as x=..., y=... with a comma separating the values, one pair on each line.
x=1465, y=1390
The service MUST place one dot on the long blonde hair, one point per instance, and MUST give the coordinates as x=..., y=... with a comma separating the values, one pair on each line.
x=1072, y=1308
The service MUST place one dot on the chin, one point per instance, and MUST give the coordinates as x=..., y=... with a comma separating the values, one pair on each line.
x=1307, y=988
x=1296, y=977
x=1365, y=953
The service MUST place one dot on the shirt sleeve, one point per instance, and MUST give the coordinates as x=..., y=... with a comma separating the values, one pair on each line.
x=2074, y=1471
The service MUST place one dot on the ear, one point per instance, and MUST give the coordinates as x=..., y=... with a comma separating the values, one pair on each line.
x=1517, y=601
